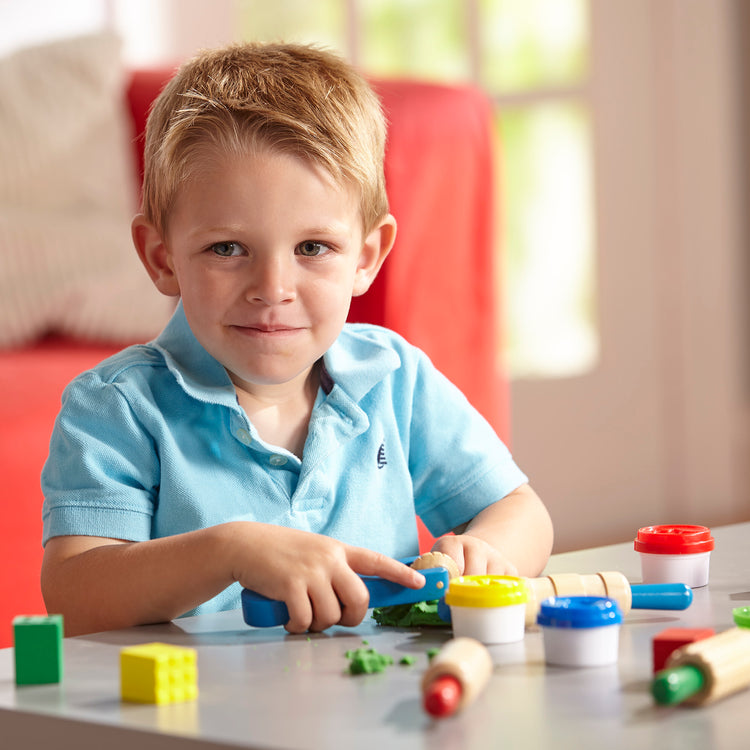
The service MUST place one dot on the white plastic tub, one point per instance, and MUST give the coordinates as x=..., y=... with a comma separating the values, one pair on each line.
x=580, y=631
x=675, y=554
x=490, y=609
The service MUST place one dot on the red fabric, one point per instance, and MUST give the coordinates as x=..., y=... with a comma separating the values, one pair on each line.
x=438, y=281
x=31, y=383
x=143, y=88
x=435, y=289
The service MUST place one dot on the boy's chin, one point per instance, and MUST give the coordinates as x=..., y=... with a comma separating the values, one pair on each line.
x=253, y=381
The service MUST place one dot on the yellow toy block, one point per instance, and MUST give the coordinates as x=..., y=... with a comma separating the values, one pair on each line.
x=158, y=673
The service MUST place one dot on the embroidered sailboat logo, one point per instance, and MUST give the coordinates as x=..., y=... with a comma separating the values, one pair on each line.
x=381, y=456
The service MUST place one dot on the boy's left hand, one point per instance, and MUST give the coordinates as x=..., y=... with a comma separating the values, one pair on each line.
x=474, y=556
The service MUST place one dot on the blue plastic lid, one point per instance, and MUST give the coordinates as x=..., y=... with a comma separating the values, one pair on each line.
x=578, y=612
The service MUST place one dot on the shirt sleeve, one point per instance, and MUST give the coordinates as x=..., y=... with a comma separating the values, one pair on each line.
x=101, y=475
x=459, y=465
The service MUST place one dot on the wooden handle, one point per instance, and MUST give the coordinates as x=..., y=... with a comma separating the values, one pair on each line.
x=468, y=661
x=724, y=660
x=609, y=583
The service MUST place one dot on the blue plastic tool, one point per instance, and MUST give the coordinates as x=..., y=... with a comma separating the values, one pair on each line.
x=262, y=612
x=643, y=596
x=661, y=595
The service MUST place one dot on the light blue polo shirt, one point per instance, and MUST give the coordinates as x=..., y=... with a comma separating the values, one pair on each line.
x=152, y=442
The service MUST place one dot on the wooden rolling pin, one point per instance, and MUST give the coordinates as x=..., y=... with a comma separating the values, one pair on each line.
x=610, y=584
x=455, y=676
x=704, y=671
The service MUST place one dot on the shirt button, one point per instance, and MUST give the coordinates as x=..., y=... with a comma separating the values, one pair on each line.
x=244, y=436
x=277, y=460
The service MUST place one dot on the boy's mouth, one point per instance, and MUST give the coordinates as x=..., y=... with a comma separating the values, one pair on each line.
x=260, y=329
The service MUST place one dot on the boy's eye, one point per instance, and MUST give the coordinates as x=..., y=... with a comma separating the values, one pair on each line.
x=226, y=249
x=311, y=249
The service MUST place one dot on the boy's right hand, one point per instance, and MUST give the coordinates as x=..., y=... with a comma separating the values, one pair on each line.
x=316, y=576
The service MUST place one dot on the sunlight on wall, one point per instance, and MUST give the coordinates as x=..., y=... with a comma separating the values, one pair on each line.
x=529, y=44
x=424, y=39
x=545, y=189
x=322, y=22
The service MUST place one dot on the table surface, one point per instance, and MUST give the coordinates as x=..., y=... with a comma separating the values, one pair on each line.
x=263, y=688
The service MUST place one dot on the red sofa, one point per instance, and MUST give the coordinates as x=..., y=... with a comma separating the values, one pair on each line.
x=436, y=289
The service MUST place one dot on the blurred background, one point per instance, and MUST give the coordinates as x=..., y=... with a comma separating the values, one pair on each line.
x=621, y=245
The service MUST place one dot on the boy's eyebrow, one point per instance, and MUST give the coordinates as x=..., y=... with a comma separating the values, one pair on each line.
x=218, y=229
x=235, y=230
x=224, y=231
x=335, y=227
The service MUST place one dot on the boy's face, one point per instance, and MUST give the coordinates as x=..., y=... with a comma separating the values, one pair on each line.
x=266, y=253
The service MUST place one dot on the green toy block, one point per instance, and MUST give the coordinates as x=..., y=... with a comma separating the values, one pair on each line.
x=38, y=646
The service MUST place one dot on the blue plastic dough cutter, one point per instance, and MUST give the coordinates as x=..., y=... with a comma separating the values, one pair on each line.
x=262, y=612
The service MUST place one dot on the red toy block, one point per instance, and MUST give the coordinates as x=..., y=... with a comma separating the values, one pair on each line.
x=671, y=639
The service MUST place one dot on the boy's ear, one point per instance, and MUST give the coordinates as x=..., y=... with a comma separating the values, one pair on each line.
x=375, y=249
x=155, y=256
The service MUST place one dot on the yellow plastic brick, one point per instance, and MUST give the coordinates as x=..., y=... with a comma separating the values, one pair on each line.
x=158, y=673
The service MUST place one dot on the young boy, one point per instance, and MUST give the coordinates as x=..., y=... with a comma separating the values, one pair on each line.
x=260, y=441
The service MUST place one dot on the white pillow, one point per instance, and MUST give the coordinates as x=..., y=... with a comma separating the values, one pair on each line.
x=67, y=195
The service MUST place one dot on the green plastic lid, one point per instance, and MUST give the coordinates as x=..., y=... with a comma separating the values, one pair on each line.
x=741, y=617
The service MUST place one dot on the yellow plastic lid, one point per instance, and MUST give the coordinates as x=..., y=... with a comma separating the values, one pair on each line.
x=486, y=591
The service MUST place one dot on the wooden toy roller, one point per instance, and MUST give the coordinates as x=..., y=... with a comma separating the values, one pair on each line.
x=706, y=670
x=456, y=676
x=610, y=584
x=437, y=560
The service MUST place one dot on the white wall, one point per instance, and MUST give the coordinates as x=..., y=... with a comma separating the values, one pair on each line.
x=154, y=31
x=24, y=22
x=658, y=432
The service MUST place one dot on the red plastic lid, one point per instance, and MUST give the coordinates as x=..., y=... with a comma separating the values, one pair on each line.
x=674, y=540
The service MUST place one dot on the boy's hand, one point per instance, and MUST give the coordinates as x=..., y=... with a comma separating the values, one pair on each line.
x=474, y=556
x=316, y=576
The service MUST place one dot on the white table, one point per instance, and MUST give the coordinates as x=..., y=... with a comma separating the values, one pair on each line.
x=266, y=689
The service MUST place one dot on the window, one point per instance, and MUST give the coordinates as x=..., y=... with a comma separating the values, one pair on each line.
x=531, y=58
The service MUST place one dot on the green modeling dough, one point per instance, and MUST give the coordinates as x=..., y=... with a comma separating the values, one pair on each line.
x=367, y=661
x=409, y=615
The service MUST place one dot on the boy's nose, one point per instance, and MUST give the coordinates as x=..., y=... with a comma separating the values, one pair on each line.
x=272, y=282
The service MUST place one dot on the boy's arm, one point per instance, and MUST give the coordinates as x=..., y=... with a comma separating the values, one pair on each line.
x=105, y=584
x=510, y=537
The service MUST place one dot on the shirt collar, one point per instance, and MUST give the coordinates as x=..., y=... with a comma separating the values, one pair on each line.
x=196, y=371
x=357, y=361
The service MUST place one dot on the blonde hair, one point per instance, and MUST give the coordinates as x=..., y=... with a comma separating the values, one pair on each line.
x=289, y=98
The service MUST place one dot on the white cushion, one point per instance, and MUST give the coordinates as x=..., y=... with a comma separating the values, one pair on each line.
x=67, y=195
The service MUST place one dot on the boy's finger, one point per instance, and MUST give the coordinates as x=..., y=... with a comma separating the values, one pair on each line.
x=499, y=566
x=354, y=599
x=450, y=546
x=300, y=613
x=326, y=609
x=475, y=563
x=368, y=563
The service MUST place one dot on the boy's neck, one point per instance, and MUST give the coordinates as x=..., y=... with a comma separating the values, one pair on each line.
x=281, y=414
